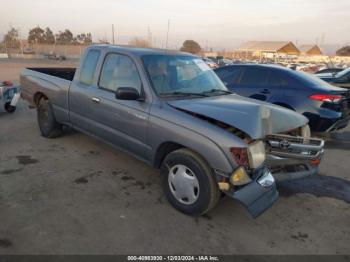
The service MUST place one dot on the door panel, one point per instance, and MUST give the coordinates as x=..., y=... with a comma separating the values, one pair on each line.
x=118, y=122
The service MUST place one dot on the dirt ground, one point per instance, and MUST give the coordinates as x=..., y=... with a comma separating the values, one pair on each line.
x=75, y=195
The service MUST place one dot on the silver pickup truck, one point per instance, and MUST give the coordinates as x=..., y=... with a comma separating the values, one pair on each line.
x=170, y=110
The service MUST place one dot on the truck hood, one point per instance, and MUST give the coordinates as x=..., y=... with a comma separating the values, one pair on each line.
x=253, y=117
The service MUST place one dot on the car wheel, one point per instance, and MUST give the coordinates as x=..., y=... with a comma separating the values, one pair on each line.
x=9, y=108
x=189, y=183
x=48, y=125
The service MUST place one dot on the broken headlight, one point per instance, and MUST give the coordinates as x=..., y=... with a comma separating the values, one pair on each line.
x=251, y=157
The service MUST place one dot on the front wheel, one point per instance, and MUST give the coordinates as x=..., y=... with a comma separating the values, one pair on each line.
x=9, y=109
x=189, y=183
x=48, y=125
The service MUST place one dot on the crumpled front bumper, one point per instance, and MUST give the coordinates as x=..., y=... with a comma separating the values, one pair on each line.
x=257, y=196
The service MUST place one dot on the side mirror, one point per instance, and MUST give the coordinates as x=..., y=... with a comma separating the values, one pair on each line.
x=127, y=93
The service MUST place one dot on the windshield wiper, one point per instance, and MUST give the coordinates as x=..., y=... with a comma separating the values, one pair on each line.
x=219, y=91
x=177, y=93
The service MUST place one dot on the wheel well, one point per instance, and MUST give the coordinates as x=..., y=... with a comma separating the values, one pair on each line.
x=284, y=105
x=37, y=97
x=163, y=150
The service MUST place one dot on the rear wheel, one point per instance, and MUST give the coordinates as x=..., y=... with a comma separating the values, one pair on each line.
x=9, y=108
x=48, y=125
x=189, y=183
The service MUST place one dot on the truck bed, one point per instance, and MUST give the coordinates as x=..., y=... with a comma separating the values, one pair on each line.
x=53, y=83
x=65, y=73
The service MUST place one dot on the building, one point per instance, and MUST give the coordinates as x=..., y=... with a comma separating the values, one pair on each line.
x=310, y=50
x=269, y=49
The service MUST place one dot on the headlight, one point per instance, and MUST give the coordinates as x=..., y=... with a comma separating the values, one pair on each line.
x=256, y=154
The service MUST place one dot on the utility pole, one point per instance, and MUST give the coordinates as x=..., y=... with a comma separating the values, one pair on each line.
x=167, y=35
x=113, y=34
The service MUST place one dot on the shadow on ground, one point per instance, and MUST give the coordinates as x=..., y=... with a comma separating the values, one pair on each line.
x=319, y=186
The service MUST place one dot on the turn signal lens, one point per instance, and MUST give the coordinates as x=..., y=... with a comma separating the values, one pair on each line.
x=326, y=97
x=239, y=177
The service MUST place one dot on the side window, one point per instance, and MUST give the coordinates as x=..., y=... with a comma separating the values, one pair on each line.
x=119, y=71
x=229, y=75
x=276, y=79
x=89, y=66
x=254, y=77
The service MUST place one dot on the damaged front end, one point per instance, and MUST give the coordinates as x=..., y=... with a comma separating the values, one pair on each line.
x=292, y=157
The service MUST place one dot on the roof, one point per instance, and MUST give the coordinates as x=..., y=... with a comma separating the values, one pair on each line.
x=310, y=49
x=140, y=51
x=270, y=46
x=272, y=66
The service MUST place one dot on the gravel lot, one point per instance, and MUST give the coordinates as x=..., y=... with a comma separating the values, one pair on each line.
x=75, y=195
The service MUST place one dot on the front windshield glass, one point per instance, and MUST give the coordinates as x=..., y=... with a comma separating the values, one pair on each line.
x=343, y=73
x=181, y=75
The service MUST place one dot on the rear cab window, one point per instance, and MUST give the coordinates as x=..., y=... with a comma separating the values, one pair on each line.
x=89, y=66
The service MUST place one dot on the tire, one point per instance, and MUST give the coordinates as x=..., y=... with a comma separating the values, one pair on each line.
x=48, y=125
x=10, y=109
x=197, y=174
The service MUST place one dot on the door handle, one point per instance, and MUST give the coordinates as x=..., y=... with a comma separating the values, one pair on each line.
x=96, y=100
x=265, y=91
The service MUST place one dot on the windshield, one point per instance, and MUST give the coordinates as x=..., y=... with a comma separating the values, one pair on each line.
x=343, y=73
x=181, y=75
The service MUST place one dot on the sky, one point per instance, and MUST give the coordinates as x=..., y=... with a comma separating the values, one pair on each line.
x=220, y=24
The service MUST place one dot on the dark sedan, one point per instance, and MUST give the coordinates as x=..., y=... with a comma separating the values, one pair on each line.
x=341, y=78
x=327, y=107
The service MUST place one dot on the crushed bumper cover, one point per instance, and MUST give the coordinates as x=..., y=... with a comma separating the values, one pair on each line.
x=257, y=196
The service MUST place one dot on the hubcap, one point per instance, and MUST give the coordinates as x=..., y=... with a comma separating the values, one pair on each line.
x=183, y=184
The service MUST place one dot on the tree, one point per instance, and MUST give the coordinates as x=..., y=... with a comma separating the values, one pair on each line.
x=64, y=38
x=11, y=39
x=49, y=36
x=344, y=51
x=36, y=36
x=191, y=46
x=139, y=42
x=84, y=39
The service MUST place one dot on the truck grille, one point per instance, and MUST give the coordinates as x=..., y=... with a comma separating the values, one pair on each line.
x=295, y=147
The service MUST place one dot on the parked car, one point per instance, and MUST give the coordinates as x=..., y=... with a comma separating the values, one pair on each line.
x=210, y=62
x=331, y=70
x=326, y=106
x=9, y=96
x=224, y=62
x=170, y=110
x=341, y=79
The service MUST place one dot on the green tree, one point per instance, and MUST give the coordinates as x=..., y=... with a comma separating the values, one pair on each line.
x=191, y=46
x=64, y=38
x=344, y=51
x=84, y=39
x=11, y=39
x=49, y=36
x=36, y=35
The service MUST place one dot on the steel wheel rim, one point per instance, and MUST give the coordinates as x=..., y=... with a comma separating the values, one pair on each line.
x=183, y=184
